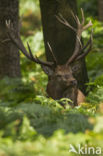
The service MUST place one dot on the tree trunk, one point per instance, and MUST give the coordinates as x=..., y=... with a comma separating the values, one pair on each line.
x=9, y=55
x=100, y=9
x=61, y=38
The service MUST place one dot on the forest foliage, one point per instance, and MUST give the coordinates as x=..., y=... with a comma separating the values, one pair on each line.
x=31, y=124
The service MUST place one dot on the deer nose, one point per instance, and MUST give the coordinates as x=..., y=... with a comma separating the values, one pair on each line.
x=74, y=82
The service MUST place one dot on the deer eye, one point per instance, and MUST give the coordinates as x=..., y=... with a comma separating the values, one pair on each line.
x=76, y=68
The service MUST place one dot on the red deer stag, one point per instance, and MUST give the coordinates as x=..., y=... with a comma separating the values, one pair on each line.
x=61, y=83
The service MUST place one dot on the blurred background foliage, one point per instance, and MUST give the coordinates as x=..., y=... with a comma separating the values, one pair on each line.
x=31, y=124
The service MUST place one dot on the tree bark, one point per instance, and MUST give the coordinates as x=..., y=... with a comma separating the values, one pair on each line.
x=100, y=9
x=61, y=38
x=9, y=55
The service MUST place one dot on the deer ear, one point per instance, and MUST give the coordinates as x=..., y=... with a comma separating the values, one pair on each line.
x=48, y=70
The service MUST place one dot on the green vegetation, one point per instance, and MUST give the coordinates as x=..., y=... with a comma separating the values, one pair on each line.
x=31, y=124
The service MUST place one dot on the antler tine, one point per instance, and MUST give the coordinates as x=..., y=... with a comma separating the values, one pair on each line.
x=77, y=20
x=62, y=20
x=13, y=39
x=89, y=43
x=88, y=25
x=83, y=19
x=54, y=58
x=30, y=51
x=73, y=15
x=35, y=59
x=18, y=43
x=76, y=51
x=85, y=53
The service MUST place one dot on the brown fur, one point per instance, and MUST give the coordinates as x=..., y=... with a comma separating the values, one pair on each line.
x=80, y=97
x=62, y=84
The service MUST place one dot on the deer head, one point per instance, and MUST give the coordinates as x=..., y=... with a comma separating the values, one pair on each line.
x=61, y=82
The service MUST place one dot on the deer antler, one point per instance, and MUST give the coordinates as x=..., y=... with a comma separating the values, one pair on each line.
x=89, y=45
x=54, y=58
x=16, y=39
x=80, y=28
